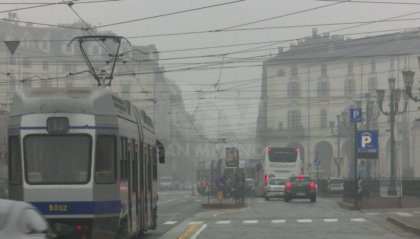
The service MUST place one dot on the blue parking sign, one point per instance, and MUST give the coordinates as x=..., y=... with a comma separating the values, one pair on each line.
x=355, y=115
x=367, y=143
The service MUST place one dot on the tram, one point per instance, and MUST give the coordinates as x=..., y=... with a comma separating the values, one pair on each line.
x=86, y=159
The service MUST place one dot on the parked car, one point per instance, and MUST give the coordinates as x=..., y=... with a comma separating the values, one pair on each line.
x=300, y=187
x=20, y=220
x=275, y=188
x=335, y=185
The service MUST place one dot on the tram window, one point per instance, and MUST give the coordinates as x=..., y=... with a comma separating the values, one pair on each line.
x=15, y=169
x=57, y=159
x=105, y=167
x=123, y=161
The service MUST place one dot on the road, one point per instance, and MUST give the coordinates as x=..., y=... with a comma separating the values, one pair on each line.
x=173, y=208
x=297, y=219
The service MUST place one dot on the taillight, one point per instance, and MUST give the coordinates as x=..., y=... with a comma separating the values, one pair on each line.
x=313, y=185
x=288, y=186
x=81, y=228
x=265, y=179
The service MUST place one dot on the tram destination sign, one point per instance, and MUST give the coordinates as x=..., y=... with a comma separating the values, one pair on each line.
x=57, y=125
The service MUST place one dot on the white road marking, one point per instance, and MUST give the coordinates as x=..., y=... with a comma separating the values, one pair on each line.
x=169, y=222
x=304, y=220
x=358, y=220
x=278, y=221
x=217, y=214
x=404, y=214
x=197, y=222
x=168, y=201
x=198, y=200
x=195, y=235
x=330, y=220
x=250, y=221
x=223, y=222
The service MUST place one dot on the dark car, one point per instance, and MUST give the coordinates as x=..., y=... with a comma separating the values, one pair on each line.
x=300, y=187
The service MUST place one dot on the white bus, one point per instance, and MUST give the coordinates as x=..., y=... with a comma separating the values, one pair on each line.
x=277, y=162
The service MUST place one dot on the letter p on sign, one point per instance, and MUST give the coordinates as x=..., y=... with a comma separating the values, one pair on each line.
x=366, y=139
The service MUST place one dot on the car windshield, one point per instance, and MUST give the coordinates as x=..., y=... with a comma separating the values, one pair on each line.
x=278, y=181
x=300, y=179
x=336, y=181
x=236, y=119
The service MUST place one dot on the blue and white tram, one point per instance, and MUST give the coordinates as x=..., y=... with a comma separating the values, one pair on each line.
x=86, y=159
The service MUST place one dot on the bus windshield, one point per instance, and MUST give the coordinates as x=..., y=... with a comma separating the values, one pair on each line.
x=284, y=155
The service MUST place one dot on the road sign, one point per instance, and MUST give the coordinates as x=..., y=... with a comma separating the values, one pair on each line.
x=367, y=144
x=317, y=162
x=355, y=115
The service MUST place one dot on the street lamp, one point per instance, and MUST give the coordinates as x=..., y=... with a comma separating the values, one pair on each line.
x=408, y=77
x=395, y=95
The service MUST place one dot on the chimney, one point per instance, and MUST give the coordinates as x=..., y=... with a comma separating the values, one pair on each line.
x=314, y=30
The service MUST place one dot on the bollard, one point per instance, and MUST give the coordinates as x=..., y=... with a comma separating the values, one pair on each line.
x=219, y=196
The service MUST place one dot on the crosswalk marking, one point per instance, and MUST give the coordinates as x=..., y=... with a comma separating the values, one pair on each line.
x=169, y=222
x=330, y=220
x=223, y=222
x=404, y=214
x=278, y=221
x=304, y=220
x=250, y=221
x=195, y=222
x=357, y=220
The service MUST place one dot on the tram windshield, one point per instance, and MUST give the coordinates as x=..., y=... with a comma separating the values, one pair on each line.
x=57, y=159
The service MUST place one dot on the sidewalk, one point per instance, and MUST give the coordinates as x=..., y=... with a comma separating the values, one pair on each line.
x=407, y=222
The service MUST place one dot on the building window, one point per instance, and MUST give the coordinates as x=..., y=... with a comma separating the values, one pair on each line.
x=372, y=84
x=373, y=66
x=26, y=62
x=324, y=69
x=293, y=89
x=323, y=118
x=45, y=65
x=294, y=70
x=294, y=119
x=280, y=72
x=392, y=64
x=45, y=45
x=350, y=70
x=95, y=51
x=350, y=87
x=67, y=68
x=323, y=89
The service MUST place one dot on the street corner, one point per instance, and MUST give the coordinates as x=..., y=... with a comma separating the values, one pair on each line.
x=408, y=223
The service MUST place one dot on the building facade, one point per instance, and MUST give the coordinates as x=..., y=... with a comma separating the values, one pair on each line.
x=307, y=89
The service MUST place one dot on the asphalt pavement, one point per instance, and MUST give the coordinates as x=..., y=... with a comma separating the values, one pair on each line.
x=297, y=219
x=173, y=208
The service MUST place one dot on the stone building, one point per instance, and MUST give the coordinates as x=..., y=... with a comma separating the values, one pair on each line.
x=307, y=89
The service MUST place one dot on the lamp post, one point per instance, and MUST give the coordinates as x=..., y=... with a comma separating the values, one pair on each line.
x=395, y=95
x=408, y=77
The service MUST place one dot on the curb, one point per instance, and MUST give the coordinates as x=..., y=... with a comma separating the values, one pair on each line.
x=223, y=206
x=403, y=225
x=347, y=206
